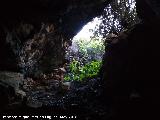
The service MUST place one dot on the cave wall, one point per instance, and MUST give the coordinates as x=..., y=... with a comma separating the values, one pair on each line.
x=34, y=34
x=148, y=10
x=130, y=67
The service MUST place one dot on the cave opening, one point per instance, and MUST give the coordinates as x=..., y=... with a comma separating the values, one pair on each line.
x=85, y=54
x=39, y=75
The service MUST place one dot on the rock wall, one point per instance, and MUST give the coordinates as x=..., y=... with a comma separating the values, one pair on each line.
x=34, y=34
x=11, y=88
x=44, y=52
x=130, y=67
x=148, y=10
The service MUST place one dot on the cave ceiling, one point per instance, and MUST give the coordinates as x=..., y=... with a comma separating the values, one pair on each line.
x=68, y=15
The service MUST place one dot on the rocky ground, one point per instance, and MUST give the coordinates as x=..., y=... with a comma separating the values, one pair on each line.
x=49, y=97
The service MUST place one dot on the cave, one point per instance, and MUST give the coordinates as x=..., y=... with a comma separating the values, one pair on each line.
x=34, y=36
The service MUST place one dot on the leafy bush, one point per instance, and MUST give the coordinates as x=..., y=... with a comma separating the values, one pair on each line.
x=78, y=72
x=92, y=49
x=85, y=58
x=116, y=17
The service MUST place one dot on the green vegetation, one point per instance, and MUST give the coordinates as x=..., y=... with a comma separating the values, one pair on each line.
x=117, y=16
x=79, y=72
x=90, y=47
x=87, y=60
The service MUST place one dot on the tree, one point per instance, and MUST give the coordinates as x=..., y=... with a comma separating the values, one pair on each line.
x=117, y=16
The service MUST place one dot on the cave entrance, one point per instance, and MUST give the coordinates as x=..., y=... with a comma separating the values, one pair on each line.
x=85, y=59
x=89, y=45
x=85, y=54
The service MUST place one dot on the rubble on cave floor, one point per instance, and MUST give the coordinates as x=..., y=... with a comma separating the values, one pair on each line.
x=82, y=97
x=55, y=93
x=79, y=97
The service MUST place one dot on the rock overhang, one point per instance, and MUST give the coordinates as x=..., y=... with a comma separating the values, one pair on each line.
x=69, y=16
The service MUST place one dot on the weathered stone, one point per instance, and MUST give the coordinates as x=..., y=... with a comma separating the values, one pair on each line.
x=11, y=87
x=130, y=72
x=46, y=27
x=66, y=85
x=43, y=53
x=149, y=11
x=12, y=79
x=33, y=103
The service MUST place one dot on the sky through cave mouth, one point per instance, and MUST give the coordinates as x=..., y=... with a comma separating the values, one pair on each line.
x=85, y=54
x=85, y=60
x=89, y=45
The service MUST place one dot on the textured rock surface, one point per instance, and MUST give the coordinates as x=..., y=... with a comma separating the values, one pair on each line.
x=130, y=73
x=44, y=52
x=34, y=34
x=149, y=10
x=130, y=67
x=11, y=88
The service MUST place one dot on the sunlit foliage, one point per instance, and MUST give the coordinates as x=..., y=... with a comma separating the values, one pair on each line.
x=117, y=16
x=79, y=73
x=87, y=60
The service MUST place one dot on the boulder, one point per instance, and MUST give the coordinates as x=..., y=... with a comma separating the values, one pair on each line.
x=11, y=88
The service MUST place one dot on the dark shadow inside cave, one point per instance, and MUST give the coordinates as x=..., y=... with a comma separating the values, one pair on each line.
x=33, y=63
